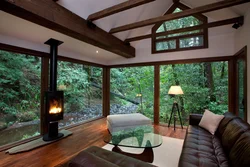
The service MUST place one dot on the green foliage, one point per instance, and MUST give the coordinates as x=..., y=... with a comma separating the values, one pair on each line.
x=19, y=83
x=178, y=24
x=129, y=82
x=29, y=136
x=77, y=81
x=26, y=116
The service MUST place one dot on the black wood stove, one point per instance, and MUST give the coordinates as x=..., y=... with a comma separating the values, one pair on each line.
x=53, y=98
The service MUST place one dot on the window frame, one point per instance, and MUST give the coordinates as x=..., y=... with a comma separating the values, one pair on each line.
x=178, y=38
x=44, y=87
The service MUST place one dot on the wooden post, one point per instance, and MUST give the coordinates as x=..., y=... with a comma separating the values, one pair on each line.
x=156, y=93
x=106, y=91
x=44, y=87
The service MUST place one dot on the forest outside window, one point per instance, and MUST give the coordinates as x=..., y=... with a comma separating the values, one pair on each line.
x=82, y=86
x=168, y=36
x=20, y=85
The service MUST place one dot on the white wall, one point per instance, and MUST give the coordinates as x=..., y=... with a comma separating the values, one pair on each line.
x=242, y=38
x=219, y=45
x=38, y=46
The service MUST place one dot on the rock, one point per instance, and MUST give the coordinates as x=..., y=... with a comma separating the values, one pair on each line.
x=3, y=125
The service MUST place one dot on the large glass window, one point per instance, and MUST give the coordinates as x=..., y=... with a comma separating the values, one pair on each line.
x=20, y=84
x=165, y=38
x=132, y=90
x=82, y=86
x=205, y=86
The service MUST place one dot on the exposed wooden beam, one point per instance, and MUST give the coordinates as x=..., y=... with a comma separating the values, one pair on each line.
x=117, y=8
x=202, y=26
x=188, y=12
x=51, y=15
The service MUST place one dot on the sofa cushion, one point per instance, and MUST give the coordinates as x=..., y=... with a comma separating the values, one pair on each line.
x=126, y=121
x=232, y=133
x=96, y=156
x=210, y=121
x=85, y=159
x=202, y=149
x=224, y=122
x=240, y=152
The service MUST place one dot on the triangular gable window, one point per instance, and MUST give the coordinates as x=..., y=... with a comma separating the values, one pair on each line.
x=166, y=36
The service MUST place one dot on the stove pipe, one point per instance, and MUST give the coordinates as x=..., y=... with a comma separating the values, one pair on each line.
x=53, y=62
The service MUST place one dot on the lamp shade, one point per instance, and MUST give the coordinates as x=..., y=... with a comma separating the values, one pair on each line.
x=175, y=90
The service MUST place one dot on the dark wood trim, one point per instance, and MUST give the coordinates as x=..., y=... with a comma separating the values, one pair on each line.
x=204, y=32
x=44, y=87
x=183, y=61
x=188, y=12
x=62, y=20
x=106, y=91
x=156, y=93
x=82, y=123
x=63, y=58
x=180, y=49
x=231, y=86
x=179, y=37
x=242, y=54
x=117, y=8
x=202, y=26
x=16, y=49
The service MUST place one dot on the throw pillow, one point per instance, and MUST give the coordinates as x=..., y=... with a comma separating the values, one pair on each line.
x=210, y=121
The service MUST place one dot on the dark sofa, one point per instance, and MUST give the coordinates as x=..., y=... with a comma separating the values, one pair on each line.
x=98, y=157
x=230, y=146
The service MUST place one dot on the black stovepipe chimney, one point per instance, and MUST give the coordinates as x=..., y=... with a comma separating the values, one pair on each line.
x=53, y=62
x=54, y=98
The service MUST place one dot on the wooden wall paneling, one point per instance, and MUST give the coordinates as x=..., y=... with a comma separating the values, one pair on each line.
x=240, y=55
x=231, y=86
x=44, y=87
x=156, y=93
x=106, y=91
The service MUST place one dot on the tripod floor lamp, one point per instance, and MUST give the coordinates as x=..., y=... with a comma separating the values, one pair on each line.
x=173, y=91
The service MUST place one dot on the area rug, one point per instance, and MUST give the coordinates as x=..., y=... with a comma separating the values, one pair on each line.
x=166, y=155
x=35, y=144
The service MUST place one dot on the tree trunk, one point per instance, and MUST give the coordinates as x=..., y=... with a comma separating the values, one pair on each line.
x=223, y=70
x=209, y=80
x=178, y=83
x=140, y=92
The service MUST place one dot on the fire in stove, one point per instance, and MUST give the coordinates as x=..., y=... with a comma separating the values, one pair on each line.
x=55, y=107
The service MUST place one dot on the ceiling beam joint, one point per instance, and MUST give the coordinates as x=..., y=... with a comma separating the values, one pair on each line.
x=173, y=16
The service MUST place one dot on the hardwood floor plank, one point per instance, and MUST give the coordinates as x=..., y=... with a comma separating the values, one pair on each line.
x=85, y=135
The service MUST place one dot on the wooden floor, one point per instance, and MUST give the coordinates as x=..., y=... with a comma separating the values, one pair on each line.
x=85, y=135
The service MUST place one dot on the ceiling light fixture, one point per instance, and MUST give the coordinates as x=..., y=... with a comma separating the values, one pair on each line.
x=97, y=51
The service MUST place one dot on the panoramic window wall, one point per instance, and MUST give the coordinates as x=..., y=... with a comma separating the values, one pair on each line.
x=132, y=90
x=20, y=85
x=176, y=35
x=82, y=86
x=205, y=86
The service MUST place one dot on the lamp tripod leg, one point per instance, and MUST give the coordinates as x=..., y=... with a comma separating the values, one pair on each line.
x=179, y=114
x=171, y=115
